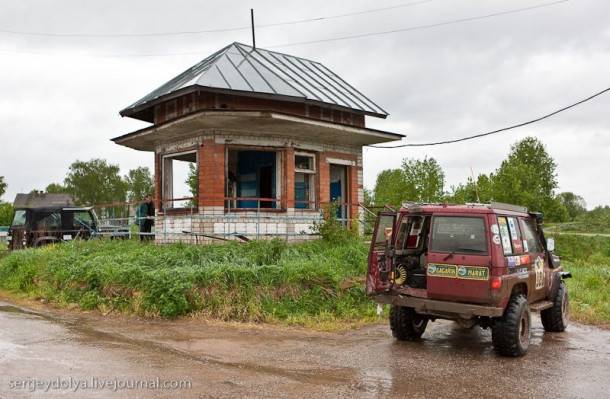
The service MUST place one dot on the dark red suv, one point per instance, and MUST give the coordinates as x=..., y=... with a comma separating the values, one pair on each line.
x=487, y=265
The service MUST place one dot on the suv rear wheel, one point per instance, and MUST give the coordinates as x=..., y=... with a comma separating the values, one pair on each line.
x=512, y=332
x=406, y=324
x=556, y=319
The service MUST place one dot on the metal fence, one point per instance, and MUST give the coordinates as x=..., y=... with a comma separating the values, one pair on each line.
x=257, y=219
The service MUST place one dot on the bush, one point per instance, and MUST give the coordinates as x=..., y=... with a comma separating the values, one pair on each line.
x=331, y=229
x=6, y=213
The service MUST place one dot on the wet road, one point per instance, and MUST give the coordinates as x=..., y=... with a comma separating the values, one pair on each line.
x=52, y=354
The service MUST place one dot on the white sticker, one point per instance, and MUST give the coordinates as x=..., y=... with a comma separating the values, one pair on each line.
x=513, y=230
x=539, y=268
x=496, y=239
x=67, y=237
x=506, y=245
x=525, y=247
x=495, y=229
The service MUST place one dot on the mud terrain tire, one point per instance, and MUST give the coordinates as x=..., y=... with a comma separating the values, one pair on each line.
x=406, y=324
x=511, y=333
x=556, y=318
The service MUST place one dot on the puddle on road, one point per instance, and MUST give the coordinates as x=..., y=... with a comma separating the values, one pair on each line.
x=374, y=382
x=8, y=308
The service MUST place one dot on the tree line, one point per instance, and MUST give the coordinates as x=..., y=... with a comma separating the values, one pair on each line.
x=527, y=177
x=97, y=182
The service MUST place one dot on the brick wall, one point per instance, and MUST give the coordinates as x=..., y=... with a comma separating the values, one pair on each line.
x=211, y=218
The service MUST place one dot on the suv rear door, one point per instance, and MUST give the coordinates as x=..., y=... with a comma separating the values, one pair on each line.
x=459, y=258
x=379, y=263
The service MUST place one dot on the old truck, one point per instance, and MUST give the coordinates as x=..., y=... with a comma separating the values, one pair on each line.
x=477, y=264
x=35, y=226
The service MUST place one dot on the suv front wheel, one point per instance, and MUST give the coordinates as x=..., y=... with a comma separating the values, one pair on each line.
x=556, y=319
x=511, y=333
x=406, y=324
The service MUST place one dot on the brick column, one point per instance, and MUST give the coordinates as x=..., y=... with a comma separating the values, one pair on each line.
x=289, y=173
x=323, y=179
x=354, y=189
x=158, y=183
x=212, y=174
x=200, y=174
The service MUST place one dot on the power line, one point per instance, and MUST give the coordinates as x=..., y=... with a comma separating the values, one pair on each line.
x=96, y=55
x=350, y=14
x=456, y=21
x=499, y=130
x=197, y=32
x=310, y=42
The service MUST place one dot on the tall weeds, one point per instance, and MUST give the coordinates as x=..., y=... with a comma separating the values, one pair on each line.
x=258, y=281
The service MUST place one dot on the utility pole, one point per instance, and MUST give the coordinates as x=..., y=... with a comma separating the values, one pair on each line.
x=253, y=36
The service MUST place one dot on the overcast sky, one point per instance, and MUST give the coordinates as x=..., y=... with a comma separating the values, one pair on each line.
x=448, y=69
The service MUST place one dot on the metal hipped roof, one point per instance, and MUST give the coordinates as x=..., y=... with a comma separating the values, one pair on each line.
x=241, y=68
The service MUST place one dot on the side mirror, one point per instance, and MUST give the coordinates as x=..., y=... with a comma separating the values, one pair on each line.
x=550, y=244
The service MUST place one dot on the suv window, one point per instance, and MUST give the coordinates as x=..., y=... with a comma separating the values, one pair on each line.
x=458, y=234
x=83, y=218
x=50, y=222
x=510, y=232
x=410, y=232
x=531, y=242
x=19, y=219
x=385, y=222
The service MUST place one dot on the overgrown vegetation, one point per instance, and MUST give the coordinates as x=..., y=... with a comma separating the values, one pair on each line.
x=315, y=283
x=588, y=259
x=319, y=283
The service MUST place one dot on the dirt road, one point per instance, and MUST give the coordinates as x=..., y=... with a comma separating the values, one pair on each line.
x=53, y=354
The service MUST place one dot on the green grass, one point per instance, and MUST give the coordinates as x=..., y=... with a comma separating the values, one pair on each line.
x=306, y=284
x=588, y=259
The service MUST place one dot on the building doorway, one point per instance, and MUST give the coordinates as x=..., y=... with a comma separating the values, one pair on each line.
x=338, y=191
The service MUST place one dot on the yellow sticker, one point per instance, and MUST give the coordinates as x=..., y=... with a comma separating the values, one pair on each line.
x=439, y=270
x=473, y=273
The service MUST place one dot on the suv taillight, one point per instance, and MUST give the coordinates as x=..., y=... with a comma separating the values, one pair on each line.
x=496, y=283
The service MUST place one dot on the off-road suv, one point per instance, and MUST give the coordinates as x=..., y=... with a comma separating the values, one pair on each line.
x=487, y=265
x=42, y=225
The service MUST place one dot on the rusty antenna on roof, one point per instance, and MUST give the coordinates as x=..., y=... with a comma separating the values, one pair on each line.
x=253, y=36
x=476, y=186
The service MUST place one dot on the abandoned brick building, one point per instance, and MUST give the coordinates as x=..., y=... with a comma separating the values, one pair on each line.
x=272, y=138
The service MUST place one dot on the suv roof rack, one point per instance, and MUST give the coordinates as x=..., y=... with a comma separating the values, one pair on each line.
x=507, y=207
